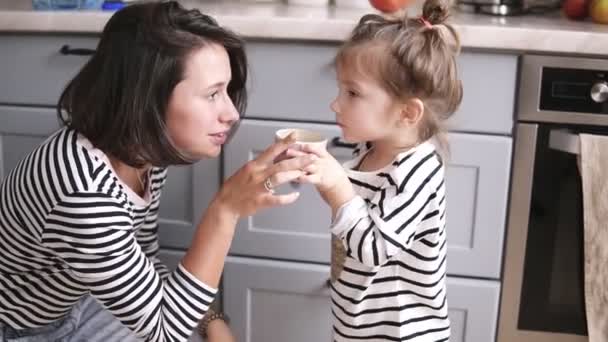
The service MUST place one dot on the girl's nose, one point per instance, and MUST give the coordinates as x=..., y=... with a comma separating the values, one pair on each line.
x=334, y=106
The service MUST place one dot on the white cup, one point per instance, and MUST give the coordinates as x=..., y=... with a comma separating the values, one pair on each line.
x=302, y=137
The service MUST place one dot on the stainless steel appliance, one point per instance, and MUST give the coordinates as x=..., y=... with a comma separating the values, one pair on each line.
x=543, y=296
x=508, y=7
x=495, y=7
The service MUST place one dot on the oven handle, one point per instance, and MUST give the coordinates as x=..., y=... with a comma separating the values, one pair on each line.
x=564, y=140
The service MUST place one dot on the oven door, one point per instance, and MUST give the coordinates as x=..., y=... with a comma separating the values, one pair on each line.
x=543, y=291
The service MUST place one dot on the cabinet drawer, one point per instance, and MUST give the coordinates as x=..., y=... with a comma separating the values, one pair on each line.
x=295, y=81
x=270, y=301
x=279, y=301
x=477, y=183
x=473, y=309
x=21, y=130
x=34, y=71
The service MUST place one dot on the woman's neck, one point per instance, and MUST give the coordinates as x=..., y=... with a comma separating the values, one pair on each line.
x=134, y=178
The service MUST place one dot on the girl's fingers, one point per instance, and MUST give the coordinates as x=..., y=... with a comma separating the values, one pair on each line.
x=319, y=151
x=311, y=179
x=312, y=168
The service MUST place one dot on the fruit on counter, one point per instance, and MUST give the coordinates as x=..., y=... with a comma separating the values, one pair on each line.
x=389, y=6
x=576, y=9
x=599, y=11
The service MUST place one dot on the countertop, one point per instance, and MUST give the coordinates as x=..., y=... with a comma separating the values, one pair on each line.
x=548, y=33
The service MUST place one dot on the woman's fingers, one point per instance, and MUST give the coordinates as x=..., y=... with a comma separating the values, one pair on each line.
x=297, y=163
x=274, y=200
x=275, y=150
x=285, y=177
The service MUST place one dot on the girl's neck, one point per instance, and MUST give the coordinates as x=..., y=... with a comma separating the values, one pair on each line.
x=382, y=153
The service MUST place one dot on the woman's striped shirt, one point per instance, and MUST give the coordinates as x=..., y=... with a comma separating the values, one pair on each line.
x=70, y=227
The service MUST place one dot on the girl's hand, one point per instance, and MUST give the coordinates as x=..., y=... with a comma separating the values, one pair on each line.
x=249, y=189
x=327, y=174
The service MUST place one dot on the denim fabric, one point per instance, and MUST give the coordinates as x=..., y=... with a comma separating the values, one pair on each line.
x=88, y=321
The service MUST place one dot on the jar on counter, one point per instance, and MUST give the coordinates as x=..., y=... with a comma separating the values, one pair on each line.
x=66, y=4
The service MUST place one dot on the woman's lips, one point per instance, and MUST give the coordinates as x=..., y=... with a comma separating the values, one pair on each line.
x=219, y=138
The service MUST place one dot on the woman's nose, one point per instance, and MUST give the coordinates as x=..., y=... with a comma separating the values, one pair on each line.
x=230, y=114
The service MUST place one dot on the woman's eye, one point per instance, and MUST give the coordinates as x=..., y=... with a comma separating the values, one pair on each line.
x=214, y=95
x=352, y=93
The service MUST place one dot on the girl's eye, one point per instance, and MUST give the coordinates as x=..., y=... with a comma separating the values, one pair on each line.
x=352, y=93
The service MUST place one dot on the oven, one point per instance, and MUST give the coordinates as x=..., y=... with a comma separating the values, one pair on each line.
x=543, y=280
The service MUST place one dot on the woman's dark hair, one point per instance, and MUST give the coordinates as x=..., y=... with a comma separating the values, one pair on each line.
x=119, y=99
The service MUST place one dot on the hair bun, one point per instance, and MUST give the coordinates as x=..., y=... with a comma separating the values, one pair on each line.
x=436, y=11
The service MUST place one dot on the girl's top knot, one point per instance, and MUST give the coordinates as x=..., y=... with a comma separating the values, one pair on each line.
x=436, y=11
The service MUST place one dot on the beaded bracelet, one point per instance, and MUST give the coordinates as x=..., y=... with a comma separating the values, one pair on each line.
x=204, y=324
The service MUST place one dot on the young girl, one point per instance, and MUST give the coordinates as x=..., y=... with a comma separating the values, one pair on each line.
x=79, y=214
x=397, y=83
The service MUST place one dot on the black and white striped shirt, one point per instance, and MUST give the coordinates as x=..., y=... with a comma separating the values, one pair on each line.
x=70, y=227
x=392, y=286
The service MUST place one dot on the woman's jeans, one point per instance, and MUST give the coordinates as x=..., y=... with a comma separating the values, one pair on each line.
x=88, y=321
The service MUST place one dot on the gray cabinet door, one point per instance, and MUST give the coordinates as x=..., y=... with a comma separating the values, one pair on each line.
x=281, y=301
x=473, y=309
x=477, y=184
x=170, y=258
x=477, y=181
x=298, y=231
x=186, y=193
x=272, y=301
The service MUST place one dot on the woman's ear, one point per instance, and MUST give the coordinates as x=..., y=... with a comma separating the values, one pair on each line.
x=412, y=111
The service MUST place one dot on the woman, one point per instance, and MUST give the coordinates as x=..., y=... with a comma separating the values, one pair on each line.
x=78, y=216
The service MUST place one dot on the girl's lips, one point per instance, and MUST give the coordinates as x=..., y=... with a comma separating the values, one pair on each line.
x=219, y=138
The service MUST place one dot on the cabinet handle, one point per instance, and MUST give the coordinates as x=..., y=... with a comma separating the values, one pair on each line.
x=67, y=50
x=337, y=142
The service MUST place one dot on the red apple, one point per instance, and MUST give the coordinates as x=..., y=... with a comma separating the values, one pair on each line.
x=599, y=11
x=576, y=9
x=389, y=6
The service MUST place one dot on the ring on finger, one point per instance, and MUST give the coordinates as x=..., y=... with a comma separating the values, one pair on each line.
x=268, y=185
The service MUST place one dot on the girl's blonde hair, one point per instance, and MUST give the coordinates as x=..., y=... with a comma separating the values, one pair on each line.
x=410, y=57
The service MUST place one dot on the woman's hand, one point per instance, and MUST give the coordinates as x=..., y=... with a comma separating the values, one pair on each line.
x=250, y=188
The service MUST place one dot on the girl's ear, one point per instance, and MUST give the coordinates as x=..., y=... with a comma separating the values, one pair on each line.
x=411, y=111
